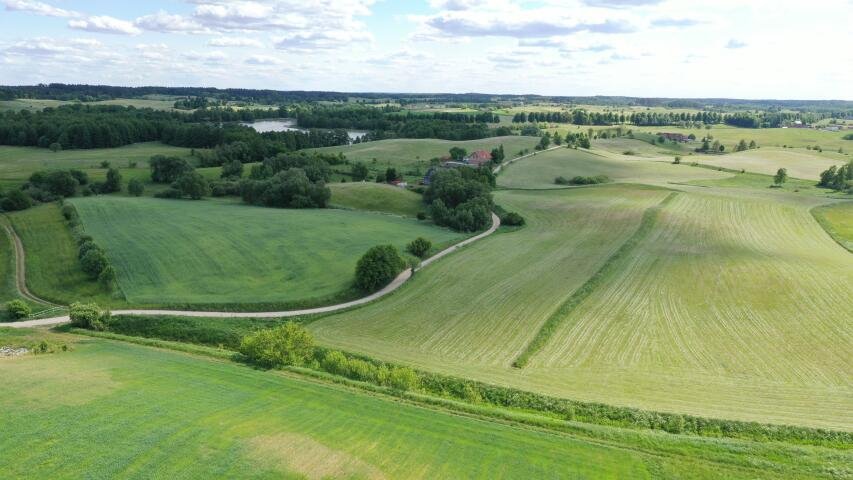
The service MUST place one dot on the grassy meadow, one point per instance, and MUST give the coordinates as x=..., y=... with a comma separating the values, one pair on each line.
x=18, y=163
x=539, y=172
x=799, y=163
x=376, y=197
x=837, y=220
x=184, y=416
x=224, y=252
x=36, y=104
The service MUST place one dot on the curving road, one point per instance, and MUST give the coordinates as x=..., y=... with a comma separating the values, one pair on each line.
x=394, y=285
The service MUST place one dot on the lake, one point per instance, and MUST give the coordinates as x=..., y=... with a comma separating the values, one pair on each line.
x=289, y=125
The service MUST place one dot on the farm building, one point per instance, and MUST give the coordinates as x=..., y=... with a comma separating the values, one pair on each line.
x=675, y=137
x=478, y=158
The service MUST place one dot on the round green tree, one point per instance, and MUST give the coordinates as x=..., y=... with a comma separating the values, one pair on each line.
x=378, y=267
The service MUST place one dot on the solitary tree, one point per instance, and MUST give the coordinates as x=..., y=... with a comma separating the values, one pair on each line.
x=378, y=267
x=192, y=184
x=135, y=187
x=780, y=177
x=359, y=171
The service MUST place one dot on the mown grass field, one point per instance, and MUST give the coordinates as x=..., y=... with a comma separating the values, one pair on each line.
x=540, y=171
x=18, y=163
x=800, y=163
x=224, y=252
x=412, y=156
x=183, y=416
x=738, y=287
x=376, y=197
x=765, y=137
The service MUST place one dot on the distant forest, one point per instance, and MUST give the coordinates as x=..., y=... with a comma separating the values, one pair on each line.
x=59, y=91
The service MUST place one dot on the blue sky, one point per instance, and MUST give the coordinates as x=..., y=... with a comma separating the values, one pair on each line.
x=724, y=48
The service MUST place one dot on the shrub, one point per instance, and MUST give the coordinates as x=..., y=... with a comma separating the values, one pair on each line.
x=167, y=169
x=579, y=180
x=85, y=246
x=69, y=212
x=335, y=362
x=421, y=216
x=16, y=200
x=378, y=267
x=192, y=184
x=88, y=315
x=403, y=378
x=94, y=262
x=419, y=247
x=288, y=344
x=79, y=175
x=113, y=182
x=18, y=309
x=107, y=277
x=677, y=160
x=169, y=193
x=135, y=187
x=512, y=219
x=232, y=169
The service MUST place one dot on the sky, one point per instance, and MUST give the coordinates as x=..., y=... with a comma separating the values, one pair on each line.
x=781, y=49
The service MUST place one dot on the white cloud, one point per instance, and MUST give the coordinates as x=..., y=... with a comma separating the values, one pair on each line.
x=235, y=42
x=206, y=57
x=105, y=24
x=734, y=44
x=164, y=22
x=37, y=8
x=262, y=60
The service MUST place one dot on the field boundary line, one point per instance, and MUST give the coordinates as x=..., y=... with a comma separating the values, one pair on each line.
x=827, y=227
x=401, y=279
x=546, y=331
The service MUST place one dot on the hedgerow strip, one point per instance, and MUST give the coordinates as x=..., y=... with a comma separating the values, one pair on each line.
x=546, y=331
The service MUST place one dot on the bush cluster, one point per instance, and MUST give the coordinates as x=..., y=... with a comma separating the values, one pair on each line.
x=461, y=198
x=18, y=309
x=378, y=267
x=290, y=181
x=88, y=315
x=838, y=178
x=288, y=344
x=580, y=180
x=419, y=247
x=512, y=219
x=93, y=259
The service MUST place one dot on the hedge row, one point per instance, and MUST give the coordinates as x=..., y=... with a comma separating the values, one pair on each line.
x=93, y=259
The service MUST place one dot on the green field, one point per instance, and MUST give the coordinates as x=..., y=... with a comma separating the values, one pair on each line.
x=738, y=287
x=800, y=163
x=837, y=219
x=376, y=197
x=18, y=163
x=765, y=137
x=53, y=270
x=412, y=156
x=35, y=104
x=224, y=252
x=183, y=416
x=540, y=171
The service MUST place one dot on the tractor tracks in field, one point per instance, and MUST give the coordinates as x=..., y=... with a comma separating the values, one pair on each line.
x=608, y=269
x=20, y=265
x=404, y=276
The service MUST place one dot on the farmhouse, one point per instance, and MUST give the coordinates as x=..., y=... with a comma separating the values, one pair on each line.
x=675, y=137
x=478, y=158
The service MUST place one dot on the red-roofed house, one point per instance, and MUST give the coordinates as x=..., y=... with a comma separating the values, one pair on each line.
x=479, y=158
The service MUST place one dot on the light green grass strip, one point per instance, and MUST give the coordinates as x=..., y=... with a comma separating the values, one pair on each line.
x=820, y=214
x=607, y=269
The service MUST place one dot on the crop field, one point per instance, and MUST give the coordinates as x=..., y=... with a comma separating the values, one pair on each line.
x=740, y=287
x=636, y=148
x=540, y=171
x=413, y=155
x=223, y=252
x=377, y=197
x=472, y=308
x=18, y=163
x=184, y=416
x=800, y=163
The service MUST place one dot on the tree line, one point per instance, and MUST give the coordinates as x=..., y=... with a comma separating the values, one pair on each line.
x=584, y=117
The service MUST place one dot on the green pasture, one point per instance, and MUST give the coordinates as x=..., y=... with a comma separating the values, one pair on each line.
x=799, y=163
x=539, y=171
x=18, y=163
x=180, y=416
x=36, y=104
x=377, y=197
x=222, y=252
x=729, y=136
x=837, y=220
